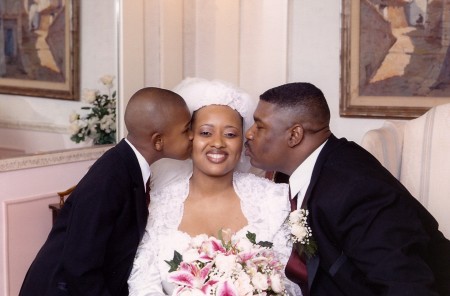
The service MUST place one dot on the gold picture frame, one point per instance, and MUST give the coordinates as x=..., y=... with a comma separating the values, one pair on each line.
x=395, y=58
x=40, y=42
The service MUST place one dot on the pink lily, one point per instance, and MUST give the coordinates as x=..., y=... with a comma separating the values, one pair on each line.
x=226, y=288
x=246, y=255
x=210, y=248
x=191, y=276
x=187, y=291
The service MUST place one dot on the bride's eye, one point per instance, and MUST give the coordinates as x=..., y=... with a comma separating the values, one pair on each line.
x=205, y=133
x=230, y=135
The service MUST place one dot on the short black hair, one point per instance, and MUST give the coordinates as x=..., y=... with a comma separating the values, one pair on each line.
x=303, y=97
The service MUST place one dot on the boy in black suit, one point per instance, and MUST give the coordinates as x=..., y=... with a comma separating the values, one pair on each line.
x=373, y=237
x=91, y=247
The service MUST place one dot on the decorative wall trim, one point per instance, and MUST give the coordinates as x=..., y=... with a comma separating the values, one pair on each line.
x=53, y=158
x=35, y=126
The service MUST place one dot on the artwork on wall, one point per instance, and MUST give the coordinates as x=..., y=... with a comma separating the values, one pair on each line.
x=395, y=57
x=39, y=48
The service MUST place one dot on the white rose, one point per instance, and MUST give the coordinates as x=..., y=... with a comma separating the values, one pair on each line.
x=107, y=122
x=74, y=116
x=276, y=283
x=244, y=245
x=295, y=217
x=259, y=281
x=74, y=128
x=89, y=95
x=197, y=241
x=225, y=263
x=107, y=80
x=243, y=284
x=190, y=255
x=250, y=268
x=298, y=231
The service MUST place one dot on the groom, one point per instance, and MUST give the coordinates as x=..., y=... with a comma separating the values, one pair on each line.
x=373, y=237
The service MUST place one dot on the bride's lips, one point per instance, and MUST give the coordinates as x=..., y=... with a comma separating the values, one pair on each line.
x=216, y=156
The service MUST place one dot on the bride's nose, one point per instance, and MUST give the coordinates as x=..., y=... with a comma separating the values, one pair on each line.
x=217, y=141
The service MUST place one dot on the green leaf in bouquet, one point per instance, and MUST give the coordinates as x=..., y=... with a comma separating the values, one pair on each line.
x=175, y=262
x=251, y=237
x=265, y=244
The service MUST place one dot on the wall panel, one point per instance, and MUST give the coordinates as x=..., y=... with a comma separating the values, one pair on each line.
x=27, y=224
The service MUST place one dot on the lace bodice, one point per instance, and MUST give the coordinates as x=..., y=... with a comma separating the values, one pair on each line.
x=264, y=204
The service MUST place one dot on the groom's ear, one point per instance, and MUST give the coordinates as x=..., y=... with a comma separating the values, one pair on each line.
x=157, y=142
x=296, y=133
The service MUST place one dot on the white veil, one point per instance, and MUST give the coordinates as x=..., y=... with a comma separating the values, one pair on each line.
x=199, y=92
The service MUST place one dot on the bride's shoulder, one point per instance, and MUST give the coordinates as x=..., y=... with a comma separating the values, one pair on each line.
x=166, y=205
x=251, y=183
x=264, y=203
x=177, y=189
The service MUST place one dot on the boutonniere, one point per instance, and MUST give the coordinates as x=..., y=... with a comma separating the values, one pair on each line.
x=301, y=233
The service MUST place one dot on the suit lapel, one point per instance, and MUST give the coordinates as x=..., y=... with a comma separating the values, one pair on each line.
x=134, y=170
x=329, y=146
x=312, y=264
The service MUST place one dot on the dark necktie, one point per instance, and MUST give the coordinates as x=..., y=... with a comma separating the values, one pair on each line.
x=147, y=192
x=296, y=266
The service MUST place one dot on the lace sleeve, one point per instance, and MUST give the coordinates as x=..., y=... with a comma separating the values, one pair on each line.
x=166, y=208
x=277, y=203
x=145, y=279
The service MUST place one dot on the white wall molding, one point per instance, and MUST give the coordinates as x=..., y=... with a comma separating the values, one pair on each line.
x=55, y=158
x=35, y=126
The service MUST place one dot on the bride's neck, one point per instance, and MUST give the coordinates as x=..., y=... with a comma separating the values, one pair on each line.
x=205, y=185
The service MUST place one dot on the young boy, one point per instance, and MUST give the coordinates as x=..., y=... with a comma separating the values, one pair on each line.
x=91, y=247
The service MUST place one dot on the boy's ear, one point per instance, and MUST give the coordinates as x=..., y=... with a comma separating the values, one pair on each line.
x=295, y=135
x=157, y=141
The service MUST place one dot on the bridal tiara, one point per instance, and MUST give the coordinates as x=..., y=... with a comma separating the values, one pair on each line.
x=199, y=92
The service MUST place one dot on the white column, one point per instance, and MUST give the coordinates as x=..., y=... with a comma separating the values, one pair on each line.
x=131, y=55
x=263, y=49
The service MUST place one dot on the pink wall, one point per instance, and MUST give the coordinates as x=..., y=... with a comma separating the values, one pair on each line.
x=25, y=216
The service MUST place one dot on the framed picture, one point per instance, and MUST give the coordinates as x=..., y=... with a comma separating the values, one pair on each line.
x=39, y=48
x=395, y=58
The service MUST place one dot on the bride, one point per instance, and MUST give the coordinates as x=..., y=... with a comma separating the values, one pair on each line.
x=212, y=192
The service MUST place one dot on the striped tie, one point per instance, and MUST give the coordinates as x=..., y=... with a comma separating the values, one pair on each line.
x=147, y=192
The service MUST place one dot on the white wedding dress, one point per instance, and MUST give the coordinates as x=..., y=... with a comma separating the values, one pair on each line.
x=263, y=203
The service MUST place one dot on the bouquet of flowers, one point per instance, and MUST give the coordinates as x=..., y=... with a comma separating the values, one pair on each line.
x=212, y=266
x=100, y=123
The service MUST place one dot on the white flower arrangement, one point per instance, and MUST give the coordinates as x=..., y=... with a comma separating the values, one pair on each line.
x=100, y=123
x=212, y=266
x=301, y=233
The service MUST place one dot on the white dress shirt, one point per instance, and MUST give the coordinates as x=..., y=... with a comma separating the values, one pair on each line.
x=301, y=177
x=143, y=164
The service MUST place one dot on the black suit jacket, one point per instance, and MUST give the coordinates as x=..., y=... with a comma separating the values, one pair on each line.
x=91, y=248
x=373, y=237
